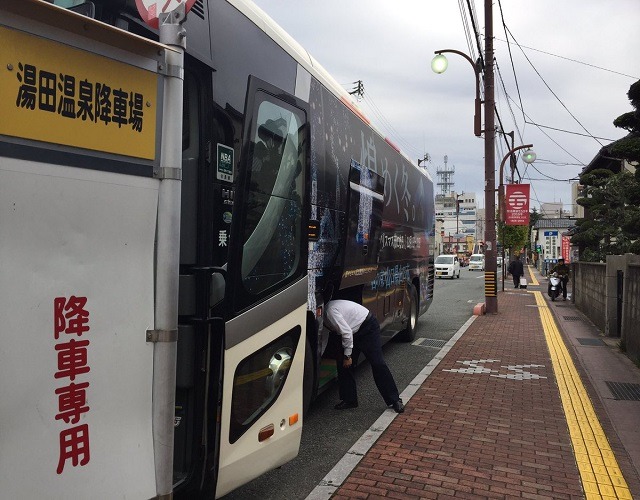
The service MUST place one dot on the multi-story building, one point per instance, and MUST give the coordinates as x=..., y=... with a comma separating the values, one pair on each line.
x=456, y=222
x=576, y=192
x=554, y=210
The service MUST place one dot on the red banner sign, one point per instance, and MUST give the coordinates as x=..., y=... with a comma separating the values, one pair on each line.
x=566, y=249
x=516, y=202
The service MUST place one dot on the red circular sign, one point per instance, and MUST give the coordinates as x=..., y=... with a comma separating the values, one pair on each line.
x=150, y=9
x=517, y=199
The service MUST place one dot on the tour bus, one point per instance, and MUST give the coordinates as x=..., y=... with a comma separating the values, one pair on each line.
x=287, y=190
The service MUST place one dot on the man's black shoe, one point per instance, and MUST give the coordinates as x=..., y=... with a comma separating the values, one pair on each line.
x=345, y=405
x=398, y=406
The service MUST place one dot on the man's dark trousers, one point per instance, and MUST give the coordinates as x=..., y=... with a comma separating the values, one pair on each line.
x=516, y=280
x=367, y=341
x=565, y=281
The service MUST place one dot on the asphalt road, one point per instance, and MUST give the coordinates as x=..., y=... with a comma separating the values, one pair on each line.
x=328, y=434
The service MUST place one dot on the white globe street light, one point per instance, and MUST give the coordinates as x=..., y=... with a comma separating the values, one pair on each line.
x=529, y=156
x=439, y=64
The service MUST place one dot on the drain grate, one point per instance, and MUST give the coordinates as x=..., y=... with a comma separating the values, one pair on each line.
x=571, y=318
x=589, y=341
x=430, y=342
x=624, y=391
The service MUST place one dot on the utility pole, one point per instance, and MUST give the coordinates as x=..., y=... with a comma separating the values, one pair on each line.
x=358, y=91
x=490, y=277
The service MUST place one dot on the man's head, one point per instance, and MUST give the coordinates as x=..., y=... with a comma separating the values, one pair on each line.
x=560, y=260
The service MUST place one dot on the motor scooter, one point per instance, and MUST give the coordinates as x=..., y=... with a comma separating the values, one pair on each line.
x=554, y=286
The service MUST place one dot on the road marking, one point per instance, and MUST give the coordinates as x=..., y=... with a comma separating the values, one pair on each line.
x=514, y=372
x=336, y=476
x=599, y=470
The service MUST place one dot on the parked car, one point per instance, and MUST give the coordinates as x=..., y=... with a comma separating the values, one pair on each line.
x=499, y=260
x=447, y=266
x=476, y=262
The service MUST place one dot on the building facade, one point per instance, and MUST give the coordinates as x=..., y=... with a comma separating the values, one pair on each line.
x=550, y=241
x=456, y=222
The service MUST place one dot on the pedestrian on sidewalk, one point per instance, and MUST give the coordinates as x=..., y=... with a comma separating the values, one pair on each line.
x=360, y=332
x=516, y=270
x=562, y=270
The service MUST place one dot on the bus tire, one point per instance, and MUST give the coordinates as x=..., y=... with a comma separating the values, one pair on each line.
x=309, y=378
x=409, y=333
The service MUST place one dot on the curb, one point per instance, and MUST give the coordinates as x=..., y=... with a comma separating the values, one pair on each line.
x=479, y=309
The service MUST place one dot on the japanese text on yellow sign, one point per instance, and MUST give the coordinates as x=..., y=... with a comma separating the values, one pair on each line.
x=55, y=93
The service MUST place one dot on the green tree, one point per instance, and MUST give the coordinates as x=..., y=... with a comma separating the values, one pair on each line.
x=613, y=227
x=628, y=148
x=513, y=237
x=612, y=199
x=534, y=217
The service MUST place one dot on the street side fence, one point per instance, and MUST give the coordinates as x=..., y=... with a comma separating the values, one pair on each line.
x=609, y=295
x=589, y=285
x=631, y=312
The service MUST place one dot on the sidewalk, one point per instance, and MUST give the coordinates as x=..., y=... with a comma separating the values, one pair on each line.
x=516, y=406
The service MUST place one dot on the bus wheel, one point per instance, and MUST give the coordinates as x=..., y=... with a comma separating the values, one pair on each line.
x=409, y=333
x=309, y=380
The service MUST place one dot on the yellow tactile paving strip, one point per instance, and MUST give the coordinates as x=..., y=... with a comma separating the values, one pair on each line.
x=601, y=476
x=534, y=280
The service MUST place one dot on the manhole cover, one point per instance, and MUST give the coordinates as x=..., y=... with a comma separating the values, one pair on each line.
x=624, y=391
x=571, y=318
x=430, y=342
x=588, y=341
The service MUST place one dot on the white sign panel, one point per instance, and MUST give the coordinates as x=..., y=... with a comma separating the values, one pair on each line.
x=76, y=298
x=551, y=244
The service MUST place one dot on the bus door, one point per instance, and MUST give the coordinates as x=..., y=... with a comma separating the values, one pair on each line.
x=363, y=235
x=365, y=204
x=264, y=336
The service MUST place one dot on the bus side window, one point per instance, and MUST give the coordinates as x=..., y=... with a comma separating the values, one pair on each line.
x=272, y=232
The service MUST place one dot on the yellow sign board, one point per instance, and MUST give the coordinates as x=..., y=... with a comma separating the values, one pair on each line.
x=55, y=93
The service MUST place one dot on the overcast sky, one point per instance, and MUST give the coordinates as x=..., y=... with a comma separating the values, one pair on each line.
x=587, y=52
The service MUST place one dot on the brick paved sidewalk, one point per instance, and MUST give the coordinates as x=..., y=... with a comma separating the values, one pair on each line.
x=487, y=423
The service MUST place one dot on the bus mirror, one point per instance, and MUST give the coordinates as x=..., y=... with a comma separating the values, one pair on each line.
x=217, y=289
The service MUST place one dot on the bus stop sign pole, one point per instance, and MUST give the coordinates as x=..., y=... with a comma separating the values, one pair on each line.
x=168, y=250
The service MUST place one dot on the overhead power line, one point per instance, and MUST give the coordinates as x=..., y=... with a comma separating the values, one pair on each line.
x=547, y=135
x=568, y=131
x=570, y=59
x=550, y=90
x=513, y=68
x=552, y=178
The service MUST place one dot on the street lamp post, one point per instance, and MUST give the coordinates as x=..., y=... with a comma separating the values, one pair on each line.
x=457, y=220
x=439, y=64
x=529, y=157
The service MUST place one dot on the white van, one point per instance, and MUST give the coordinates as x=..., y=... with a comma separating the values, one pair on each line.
x=476, y=261
x=447, y=266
